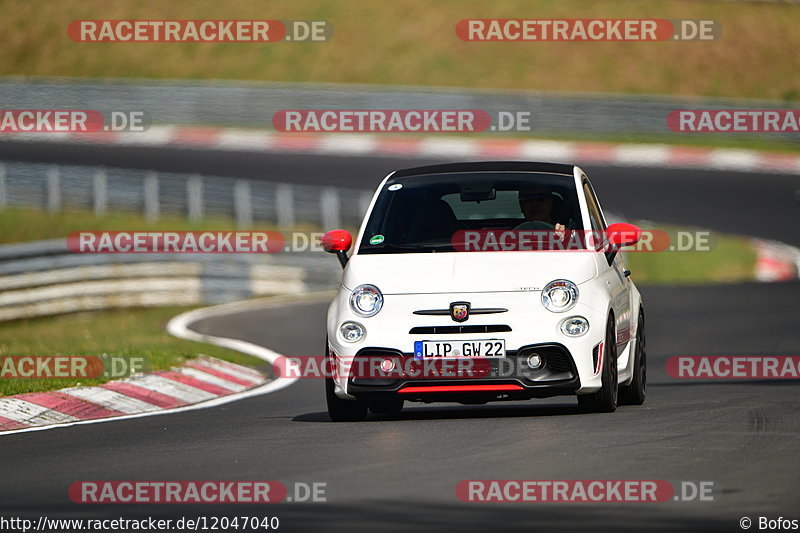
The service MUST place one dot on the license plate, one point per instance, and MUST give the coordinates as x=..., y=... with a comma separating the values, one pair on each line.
x=475, y=348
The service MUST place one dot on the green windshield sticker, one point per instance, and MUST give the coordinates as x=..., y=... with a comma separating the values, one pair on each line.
x=377, y=239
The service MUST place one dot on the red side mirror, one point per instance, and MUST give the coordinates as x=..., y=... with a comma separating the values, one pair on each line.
x=337, y=240
x=623, y=234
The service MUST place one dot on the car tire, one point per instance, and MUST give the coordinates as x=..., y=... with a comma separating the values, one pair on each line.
x=387, y=406
x=605, y=400
x=636, y=392
x=340, y=410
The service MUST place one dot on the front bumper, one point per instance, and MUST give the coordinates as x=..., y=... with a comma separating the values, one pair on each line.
x=506, y=378
x=525, y=326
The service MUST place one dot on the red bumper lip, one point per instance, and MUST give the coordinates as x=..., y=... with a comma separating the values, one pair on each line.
x=460, y=388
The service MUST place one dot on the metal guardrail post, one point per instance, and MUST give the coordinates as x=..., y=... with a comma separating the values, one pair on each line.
x=152, y=206
x=3, y=195
x=194, y=198
x=150, y=196
x=100, y=192
x=242, y=205
x=53, y=189
x=329, y=208
x=284, y=206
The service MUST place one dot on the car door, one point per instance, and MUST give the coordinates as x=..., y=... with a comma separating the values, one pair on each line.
x=619, y=283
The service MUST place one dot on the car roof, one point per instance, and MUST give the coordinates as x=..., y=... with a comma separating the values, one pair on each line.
x=487, y=166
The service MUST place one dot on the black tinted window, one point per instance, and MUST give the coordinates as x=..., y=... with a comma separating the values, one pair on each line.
x=421, y=213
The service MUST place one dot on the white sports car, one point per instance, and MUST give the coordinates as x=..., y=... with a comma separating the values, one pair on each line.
x=476, y=282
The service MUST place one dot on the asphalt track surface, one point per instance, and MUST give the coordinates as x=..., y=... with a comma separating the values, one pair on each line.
x=399, y=473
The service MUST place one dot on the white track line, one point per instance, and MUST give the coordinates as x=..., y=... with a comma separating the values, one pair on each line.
x=179, y=326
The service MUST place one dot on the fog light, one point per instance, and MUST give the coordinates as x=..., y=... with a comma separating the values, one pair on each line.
x=352, y=331
x=387, y=365
x=574, y=326
x=535, y=361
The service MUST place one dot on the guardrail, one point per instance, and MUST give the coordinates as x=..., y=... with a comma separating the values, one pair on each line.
x=45, y=278
x=284, y=205
x=252, y=105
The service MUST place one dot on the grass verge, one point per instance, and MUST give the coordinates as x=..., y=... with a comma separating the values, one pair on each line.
x=126, y=333
x=26, y=224
x=731, y=259
x=413, y=42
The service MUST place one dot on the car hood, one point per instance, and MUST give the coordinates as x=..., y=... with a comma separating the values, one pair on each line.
x=425, y=273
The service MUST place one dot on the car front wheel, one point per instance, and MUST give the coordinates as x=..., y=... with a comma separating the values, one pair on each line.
x=340, y=410
x=634, y=394
x=605, y=400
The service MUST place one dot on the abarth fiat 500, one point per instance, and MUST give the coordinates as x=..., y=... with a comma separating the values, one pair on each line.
x=478, y=282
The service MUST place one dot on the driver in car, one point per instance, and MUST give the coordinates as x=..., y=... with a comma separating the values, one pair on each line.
x=536, y=204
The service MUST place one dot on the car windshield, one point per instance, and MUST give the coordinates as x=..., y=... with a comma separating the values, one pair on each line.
x=424, y=213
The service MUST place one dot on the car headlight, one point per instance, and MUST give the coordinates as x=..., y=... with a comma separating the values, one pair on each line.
x=559, y=295
x=366, y=300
